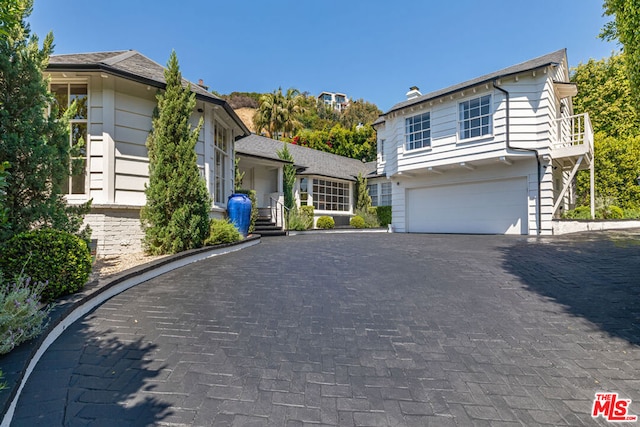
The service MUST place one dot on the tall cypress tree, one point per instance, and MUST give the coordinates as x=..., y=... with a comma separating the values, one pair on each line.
x=33, y=142
x=176, y=215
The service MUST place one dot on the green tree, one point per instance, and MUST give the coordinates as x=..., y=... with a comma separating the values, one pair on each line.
x=33, y=138
x=605, y=93
x=624, y=28
x=363, y=200
x=289, y=177
x=269, y=116
x=617, y=166
x=359, y=112
x=11, y=14
x=176, y=215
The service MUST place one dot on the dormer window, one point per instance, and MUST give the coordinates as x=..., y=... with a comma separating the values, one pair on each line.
x=475, y=117
x=418, y=132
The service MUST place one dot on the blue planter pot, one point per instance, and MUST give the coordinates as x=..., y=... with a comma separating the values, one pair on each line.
x=239, y=210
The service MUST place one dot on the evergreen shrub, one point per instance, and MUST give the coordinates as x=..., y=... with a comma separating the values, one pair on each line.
x=581, y=212
x=384, y=215
x=222, y=231
x=325, y=222
x=357, y=222
x=610, y=212
x=57, y=257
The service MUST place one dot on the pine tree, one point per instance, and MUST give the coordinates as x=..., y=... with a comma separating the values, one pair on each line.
x=32, y=140
x=176, y=215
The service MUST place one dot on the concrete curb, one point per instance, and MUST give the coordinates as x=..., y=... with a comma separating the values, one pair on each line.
x=24, y=359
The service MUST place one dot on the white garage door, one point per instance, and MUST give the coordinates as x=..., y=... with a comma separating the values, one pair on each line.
x=491, y=207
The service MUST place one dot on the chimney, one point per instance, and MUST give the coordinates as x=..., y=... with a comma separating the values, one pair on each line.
x=202, y=85
x=413, y=93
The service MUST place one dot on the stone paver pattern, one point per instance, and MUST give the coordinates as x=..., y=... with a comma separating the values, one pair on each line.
x=358, y=330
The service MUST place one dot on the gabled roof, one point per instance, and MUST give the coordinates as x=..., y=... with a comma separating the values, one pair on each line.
x=132, y=65
x=556, y=57
x=308, y=160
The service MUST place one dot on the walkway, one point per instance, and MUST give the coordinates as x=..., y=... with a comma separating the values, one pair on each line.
x=358, y=329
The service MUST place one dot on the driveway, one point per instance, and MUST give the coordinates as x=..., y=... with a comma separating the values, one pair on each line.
x=359, y=329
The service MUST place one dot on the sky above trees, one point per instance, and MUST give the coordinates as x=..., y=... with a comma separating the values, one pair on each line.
x=371, y=49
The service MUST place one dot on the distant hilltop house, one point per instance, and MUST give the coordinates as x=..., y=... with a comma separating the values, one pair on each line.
x=337, y=101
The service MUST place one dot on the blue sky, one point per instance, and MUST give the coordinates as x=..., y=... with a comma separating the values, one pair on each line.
x=370, y=49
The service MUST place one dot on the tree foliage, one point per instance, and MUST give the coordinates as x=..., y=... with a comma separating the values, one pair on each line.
x=356, y=143
x=33, y=139
x=11, y=14
x=176, y=215
x=617, y=166
x=363, y=200
x=605, y=93
x=359, y=112
x=289, y=177
x=278, y=113
x=624, y=28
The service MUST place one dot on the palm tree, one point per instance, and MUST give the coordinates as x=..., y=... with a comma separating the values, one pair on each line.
x=292, y=110
x=278, y=113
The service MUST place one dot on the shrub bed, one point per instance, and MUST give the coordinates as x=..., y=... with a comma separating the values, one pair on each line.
x=57, y=258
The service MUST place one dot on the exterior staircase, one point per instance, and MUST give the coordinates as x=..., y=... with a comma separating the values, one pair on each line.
x=266, y=226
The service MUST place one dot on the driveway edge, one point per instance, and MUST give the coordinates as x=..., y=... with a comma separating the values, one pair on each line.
x=22, y=360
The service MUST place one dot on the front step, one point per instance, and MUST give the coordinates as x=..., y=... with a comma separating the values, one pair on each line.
x=264, y=226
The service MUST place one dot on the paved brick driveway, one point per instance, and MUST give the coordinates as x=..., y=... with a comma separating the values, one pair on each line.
x=359, y=329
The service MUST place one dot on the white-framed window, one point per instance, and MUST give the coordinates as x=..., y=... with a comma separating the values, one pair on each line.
x=372, y=189
x=381, y=151
x=475, y=117
x=418, y=131
x=64, y=94
x=221, y=149
x=331, y=195
x=385, y=194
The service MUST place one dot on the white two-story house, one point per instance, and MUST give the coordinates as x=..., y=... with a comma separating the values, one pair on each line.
x=116, y=95
x=496, y=154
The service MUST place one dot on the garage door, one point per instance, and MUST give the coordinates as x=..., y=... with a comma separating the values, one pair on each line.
x=491, y=207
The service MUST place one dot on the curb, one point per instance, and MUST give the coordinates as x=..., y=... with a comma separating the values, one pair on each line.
x=18, y=365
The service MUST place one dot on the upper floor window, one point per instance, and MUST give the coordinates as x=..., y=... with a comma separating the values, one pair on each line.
x=418, y=131
x=381, y=150
x=64, y=95
x=475, y=117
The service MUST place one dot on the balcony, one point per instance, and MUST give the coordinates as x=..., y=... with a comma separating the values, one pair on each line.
x=575, y=138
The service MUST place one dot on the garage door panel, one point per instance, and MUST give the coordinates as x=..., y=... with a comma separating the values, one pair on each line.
x=492, y=207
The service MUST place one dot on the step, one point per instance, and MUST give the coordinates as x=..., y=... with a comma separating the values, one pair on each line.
x=271, y=233
x=266, y=227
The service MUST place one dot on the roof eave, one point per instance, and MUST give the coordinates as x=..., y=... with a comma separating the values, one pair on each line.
x=150, y=82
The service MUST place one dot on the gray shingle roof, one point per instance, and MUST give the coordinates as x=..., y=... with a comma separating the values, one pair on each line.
x=133, y=65
x=556, y=57
x=310, y=161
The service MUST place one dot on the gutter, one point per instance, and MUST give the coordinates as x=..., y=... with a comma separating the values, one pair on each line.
x=531, y=150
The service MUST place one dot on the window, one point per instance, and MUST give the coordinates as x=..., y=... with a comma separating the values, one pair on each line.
x=221, y=143
x=385, y=194
x=64, y=94
x=381, y=151
x=330, y=195
x=373, y=193
x=475, y=117
x=418, y=131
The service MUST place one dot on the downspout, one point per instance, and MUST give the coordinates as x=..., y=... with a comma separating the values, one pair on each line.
x=531, y=150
